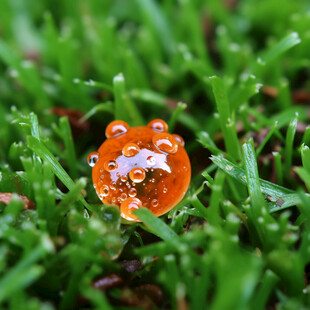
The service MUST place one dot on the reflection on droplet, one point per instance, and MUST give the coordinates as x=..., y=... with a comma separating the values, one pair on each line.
x=158, y=125
x=137, y=175
x=179, y=139
x=131, y=149
x=165, y=142
x=92, y=158
x=110, y=165
x=165, y=190
x=151, y=160
x=154, y=202
x=128, y=206
x=104, y=191
x=132, y=192
x=116, y=128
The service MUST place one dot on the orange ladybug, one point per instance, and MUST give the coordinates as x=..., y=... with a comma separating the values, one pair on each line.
x=141, y=166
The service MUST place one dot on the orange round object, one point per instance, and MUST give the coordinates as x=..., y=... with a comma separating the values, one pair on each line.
x=141, y=167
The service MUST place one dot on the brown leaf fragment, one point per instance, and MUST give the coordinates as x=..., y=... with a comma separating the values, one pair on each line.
x=107, y=282
x=279, y=202
x=131, y=265
x=270, y=91
x=145, y=296
x=149, y=291
x=301, y=96
x=74, y=117
x=6, y=198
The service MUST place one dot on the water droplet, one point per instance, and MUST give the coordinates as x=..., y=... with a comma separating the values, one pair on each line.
x=154, y=202
x=158, y=125
x=123, y=196
x=110, y=165
x=131, y=149
x=128, y=206
x=104, y=191
x=113, y=186
x=165, y=190
x=137, y=175
x=124, y=178
x=179, y=139
x=165, y=142
x=152, y=180
x=132, y=192
x=101, y=176
x=92, y=158
x=151, y=160
x=116, y=128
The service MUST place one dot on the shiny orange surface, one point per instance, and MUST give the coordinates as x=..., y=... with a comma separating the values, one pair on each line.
x=141, y=167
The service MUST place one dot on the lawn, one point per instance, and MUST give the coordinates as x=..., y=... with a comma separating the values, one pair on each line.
x=231, y=77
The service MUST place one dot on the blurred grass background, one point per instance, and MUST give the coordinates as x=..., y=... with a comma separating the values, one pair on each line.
x=231, y=77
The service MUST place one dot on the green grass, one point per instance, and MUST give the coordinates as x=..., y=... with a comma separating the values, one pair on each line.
x=226, y=79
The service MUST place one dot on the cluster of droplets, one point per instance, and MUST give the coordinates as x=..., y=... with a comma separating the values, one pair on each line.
x=163, y=142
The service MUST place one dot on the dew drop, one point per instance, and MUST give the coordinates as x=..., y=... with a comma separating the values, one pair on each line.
x=137, y=175
x=179, y=139
x=116, y=128
x=158, y=125
x=165, y=190
x=110, y=165
x=113, y=186
x=92, y=158
x=131, y=149
x=151, y=160
x=128, y=206
x=123, y=196
x=132, y=192
x=154, y=202
x=124, y=178
x=165, y=142
x=101, y=176
x=104, y=191
x=152, y=180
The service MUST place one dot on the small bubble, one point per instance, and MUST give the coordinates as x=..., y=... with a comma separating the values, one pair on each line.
x=137, y=175
x=104, y=191
x=165, y=142
x=124, y=178
x=110, y=165
x=151, y=160
x=165, y=190
x=132, y=192
x=123, y=196
x=152, y=180
x=130, y=149
x=116, y=128
x=113, y=186
x=154, y=202
x=92, y=158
